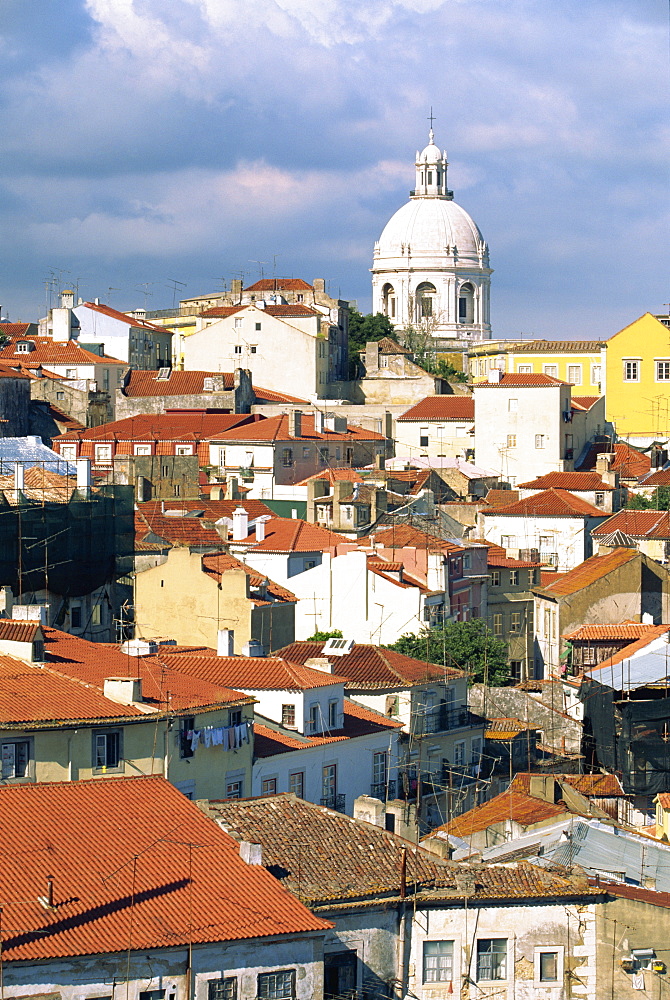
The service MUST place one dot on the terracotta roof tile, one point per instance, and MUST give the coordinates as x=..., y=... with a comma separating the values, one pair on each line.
x=660, y=477
x=14, y=630
x=41, y=485
x=368, y=666
x=586, y=402
x=179, y=383
x=442, y=408
x=588, y=572
x=558, y=347
x=290, y=534
x=628, y=462
x=276, y=429
x=217, y=564
x=17, y=331
x=276, y=285
x=52, y=352
x=254, y=673
x=387, y=345
x=175, y=530
x=172, y=426
x=501, y=498
x=514, y=380
x=522, y=808
x=574, y=481
x=211, y=510
x=271, y=740
x=637, y=524
x=399, y=536
x=599, y=785
x=549, y=503
x=184, y=898
x=624, y=632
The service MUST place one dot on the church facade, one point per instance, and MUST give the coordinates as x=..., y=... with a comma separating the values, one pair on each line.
x=430, y=270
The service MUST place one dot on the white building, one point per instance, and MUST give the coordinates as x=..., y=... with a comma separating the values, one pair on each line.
x=529, y=425
x=430, y=266
x=129, y=338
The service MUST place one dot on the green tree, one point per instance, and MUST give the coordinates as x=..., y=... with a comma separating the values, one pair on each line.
x=659, y=500
x=469, y=646
x=363, y=329
x=324, y=636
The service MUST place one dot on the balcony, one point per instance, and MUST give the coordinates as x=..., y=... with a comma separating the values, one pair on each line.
x=335, y=802
x=443, y=719
x=549, y=558
x=384, y=791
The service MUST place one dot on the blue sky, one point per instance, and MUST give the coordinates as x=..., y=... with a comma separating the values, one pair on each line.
x=144, y=141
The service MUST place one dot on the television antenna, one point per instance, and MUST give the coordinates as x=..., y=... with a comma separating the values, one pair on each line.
x=174, y=285
x=260, y=265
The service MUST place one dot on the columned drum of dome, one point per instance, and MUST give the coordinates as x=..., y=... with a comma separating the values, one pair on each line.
x=431, y=265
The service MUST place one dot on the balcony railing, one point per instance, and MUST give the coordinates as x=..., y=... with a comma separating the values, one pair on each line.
x=549, y=558
x=336, y=802
x=447, y=718
x=383, y=791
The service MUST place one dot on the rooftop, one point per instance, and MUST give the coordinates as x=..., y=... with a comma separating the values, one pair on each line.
x=46, y=351
x=368, y=666
x=277, y=429
x=573, y=481
x=524, y=809
x=588, y=572
x=637, y=524
x=624, y=632
x=142, y=324
x=518, y=381
x=253, y=673
x=548, y=503
x=271, y=739
x=442, y=408
x=276, y=284
x=262, y=590
x=628, y=462
x=176, y=426
x=290, y=534
x=178, y=896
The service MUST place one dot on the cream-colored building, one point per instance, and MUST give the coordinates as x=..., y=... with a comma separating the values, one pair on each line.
x=437, y=427
x=582, y=363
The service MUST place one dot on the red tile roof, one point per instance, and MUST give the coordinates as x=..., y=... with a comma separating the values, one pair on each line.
x=511, y=380
x=254, y=673
x=624, y=632
x=17, y=331
x=585, y=402
x=14, y=630
x=175, y=426
x=557, y=347
x=501, y=498
x=143, y=324
x=368, y=666
x=505, y=728
x=39, y=484
x=628, y=462
x=276, y=429
x=221, y=312
x=358, y=721
x=499, y=560
x=331, y=476
x=164, y=685
x=290, y=534
x=272, y=396
x=523, y=809
x=574, y=481
x=637, y=524
x=105, y=902
x=660, y=477
x=598, y=785
x=211, y=510
x=442, y=408
x=284, y=310
x=176, y=530
x=52, y=352
x=276, y=284
x=222, y=562
x=387, y=345
x=146, y=383
x=399, y=536
x=588, y=572
x=549, y=503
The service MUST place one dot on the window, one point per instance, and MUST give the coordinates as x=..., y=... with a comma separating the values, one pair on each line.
x=329, y=781
x=379, y=768
x=142, y=449
x=237, y=349
x=438, y=961
x=68, y=452
x=23, y=347
x=508, y=541
x=423, y=437
x=184, y=449
x=539, y=440
x=70, y=373
x=495, y=577
x=513, y=405
x=595, y=374
x=313, y=723
x=515, y=623
x=75, y=616
x=511, y=440
x=296, y=783
x=459, y=753
x=222, y=989
x=492, y=958
x=15, y=758
x=476, y=749
x=269, y=786
x=235, y=717
x=600, y=499
x=631, y=371
x=96, y=614
x=60, y=394
x=497, y=624
x=257, y=326
x=663, y=371
x=332, y=715
x=238, y=322
x=323, y=455
x=551, y=370
x=276, y=985
x=466, y=561
x=575, y=374
x=176, y=490
x=288, y=715
x=549, y=965
x=234, y=788
x=103, y=454
x=525, y=369
x=515, y=670
x=546, y=541
x=186, y=727
x=287, y=457
x=106, y=749
x=253, y=348
x=166, y=470
x=514, y=577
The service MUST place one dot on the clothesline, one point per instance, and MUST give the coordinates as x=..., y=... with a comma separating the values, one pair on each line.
x=228, y=737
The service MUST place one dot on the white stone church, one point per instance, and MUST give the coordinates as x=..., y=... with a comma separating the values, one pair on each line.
x=430, y=266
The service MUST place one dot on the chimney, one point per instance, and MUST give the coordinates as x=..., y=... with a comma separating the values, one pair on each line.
x=295, y=423
x=236, y=290
x=260, y=527
x=30, y=613
x=495, y=376
x=251, y=854
x=19, y=477
x=83, y=473
x=543, y=786
x=319, y=422
x=240, y=524
x=225, y=642
x=67, y=299
x=320, y=663
x=123, y=690
x=319, y=285
x=253, y=648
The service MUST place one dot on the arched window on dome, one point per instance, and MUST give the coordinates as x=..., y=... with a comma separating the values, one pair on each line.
x=466, y=303
x=425, y=301
x=389, y=301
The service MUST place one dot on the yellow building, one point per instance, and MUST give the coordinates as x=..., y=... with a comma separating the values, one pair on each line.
x=638, y=381
x=579, y=362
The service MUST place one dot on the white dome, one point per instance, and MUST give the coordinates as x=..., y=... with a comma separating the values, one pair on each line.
x=431, y=154
x=428, y=226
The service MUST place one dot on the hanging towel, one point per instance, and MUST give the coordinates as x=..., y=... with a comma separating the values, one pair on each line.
x=225, y=740
x=240, y=733
x=637, y=981
x=232, y=741
x=207, y=733
x=217, y=736
x=194, y=738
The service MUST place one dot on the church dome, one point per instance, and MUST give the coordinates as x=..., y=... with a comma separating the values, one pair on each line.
x=427, y=226
x=431, y=153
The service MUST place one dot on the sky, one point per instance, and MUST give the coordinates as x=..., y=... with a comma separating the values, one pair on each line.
x=146, y=143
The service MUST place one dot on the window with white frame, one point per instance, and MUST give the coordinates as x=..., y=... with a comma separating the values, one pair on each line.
x=183, y=449
x=423, y=437
x=548, y=965
x=459, y=753
x=237, y=349
x=142, y=449
x=332, y=714
x=269, y=786
x=595, y=374
x=663, y=371
x=513, y=405
x=495, y=577
x=70, y=373
x=631, y=370
x=508, y=541
x=511, y=440
x=379, y=768
x=438, y=961
x=103, y=454
x=539, y=440
x=476, y=749
x=288, y=715
x=492, y=958
x=276, y=985
x=296, y=783
x=68, y=452
x=313, y=722
x=514, y=577
x=575, y=374
x=551, y=370
x=525, y=369
x=238, y=322
x=15, y=759
x=222, y=989
x=107, y=750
